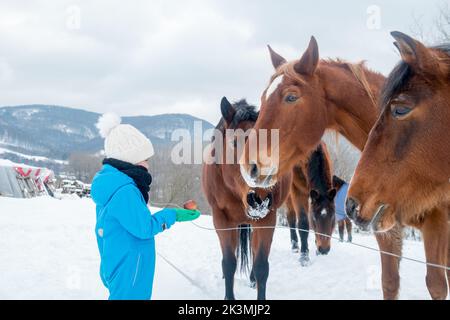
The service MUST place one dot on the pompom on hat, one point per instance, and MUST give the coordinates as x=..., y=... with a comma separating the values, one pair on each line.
x=123, y=141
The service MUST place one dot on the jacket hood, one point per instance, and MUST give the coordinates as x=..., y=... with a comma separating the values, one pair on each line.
x=106, y=182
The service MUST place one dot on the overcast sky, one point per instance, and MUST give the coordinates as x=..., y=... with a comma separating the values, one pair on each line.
x=150, y=57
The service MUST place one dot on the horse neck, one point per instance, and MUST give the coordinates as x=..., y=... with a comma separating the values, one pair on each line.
x=351, y=93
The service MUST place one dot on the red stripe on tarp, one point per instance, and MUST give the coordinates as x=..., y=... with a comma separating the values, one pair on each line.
x=23, y=173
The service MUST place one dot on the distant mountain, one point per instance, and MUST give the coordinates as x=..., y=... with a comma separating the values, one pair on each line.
x=43, y=133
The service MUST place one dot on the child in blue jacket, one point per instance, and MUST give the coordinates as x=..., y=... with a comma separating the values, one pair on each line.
x=125, y=228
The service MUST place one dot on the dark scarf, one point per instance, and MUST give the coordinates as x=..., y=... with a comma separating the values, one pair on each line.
x=139, y=174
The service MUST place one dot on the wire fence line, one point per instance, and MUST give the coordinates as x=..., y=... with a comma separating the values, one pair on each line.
x=314, y=232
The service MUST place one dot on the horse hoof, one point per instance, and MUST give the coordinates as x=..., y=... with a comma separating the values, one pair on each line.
x=252, y=284
x=304, y=260
x=294, y=246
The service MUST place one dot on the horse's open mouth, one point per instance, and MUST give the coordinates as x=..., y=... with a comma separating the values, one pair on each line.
x=257, y=207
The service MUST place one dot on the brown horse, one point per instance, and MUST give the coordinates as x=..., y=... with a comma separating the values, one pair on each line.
x=312, y=180
x=403, y=175
x=304, y=98
x=234, y=204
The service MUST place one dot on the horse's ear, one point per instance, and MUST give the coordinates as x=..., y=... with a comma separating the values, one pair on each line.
x=308, y=62
x=277, y=60
x=413, y=52
x=227, y=110
x=314, y=194
x=332, y=194
x=335, y=181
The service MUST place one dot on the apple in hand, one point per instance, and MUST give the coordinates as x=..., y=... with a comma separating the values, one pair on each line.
x=190, y=205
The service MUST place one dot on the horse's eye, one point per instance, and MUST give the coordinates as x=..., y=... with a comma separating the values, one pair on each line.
x=290, y=98
x=399, y=111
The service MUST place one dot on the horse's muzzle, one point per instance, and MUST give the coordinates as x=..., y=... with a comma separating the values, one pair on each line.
x=257, y=207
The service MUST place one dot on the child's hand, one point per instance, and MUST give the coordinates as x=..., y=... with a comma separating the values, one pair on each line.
x=186, y=215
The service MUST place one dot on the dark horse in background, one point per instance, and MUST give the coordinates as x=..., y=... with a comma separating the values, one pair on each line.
x=311, y=203
x=235, y=205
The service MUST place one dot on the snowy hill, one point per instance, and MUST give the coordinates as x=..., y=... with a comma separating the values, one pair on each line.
x=53, y=132
x=49, y=251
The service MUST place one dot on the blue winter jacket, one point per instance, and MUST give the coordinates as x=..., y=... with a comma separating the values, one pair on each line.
x=339, y=202
x=125, y=229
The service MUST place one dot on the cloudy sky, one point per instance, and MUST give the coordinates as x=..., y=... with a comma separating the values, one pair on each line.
x=151, y=57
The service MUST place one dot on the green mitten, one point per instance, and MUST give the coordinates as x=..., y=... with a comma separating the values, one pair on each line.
x=186, y=215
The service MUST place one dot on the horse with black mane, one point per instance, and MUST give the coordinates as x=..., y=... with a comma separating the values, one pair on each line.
x=235, y=205
x=403, y=174
x=311, y=203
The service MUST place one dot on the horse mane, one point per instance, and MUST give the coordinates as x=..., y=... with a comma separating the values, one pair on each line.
x=359, y=70
x=401, y=75
x=244, y=112
x=319, y=171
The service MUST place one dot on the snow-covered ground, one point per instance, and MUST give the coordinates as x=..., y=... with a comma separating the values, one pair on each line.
x=48, y=251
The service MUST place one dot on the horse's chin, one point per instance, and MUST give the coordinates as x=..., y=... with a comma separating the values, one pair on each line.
x=257, y=208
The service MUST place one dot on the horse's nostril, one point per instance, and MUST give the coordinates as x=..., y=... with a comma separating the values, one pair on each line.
x=351, y=206
x=253, y=170
x=251, y=199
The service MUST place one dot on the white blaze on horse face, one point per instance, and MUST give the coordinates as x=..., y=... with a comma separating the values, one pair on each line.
x=323, y=212
x=274, y=85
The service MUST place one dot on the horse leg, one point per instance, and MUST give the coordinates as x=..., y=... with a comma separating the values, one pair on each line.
x=348, y=225
x=228, y=243
x=291, y=218
x=261, y=248
x=435, y=238
x=252, y=279
x=341, y=224
x=304, y=233
x=391, y=241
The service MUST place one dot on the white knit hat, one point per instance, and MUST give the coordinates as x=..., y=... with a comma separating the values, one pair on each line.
x=123, y=141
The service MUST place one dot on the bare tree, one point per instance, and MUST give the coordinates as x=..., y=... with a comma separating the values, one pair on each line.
x=438, y=31
x=442, y=23
x=344, y=155
x=175, y=183
x=84, y=166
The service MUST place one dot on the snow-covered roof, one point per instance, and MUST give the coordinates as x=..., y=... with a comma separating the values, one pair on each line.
x=43, y=171
x=7, y=163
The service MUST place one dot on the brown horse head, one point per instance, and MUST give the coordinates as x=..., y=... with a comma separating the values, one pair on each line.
x=321, y=209
x=237, y=120
x=292, y=100
x=303, y=99
x=405, y=166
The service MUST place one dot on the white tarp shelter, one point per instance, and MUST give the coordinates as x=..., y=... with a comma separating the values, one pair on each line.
x=22, y=181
